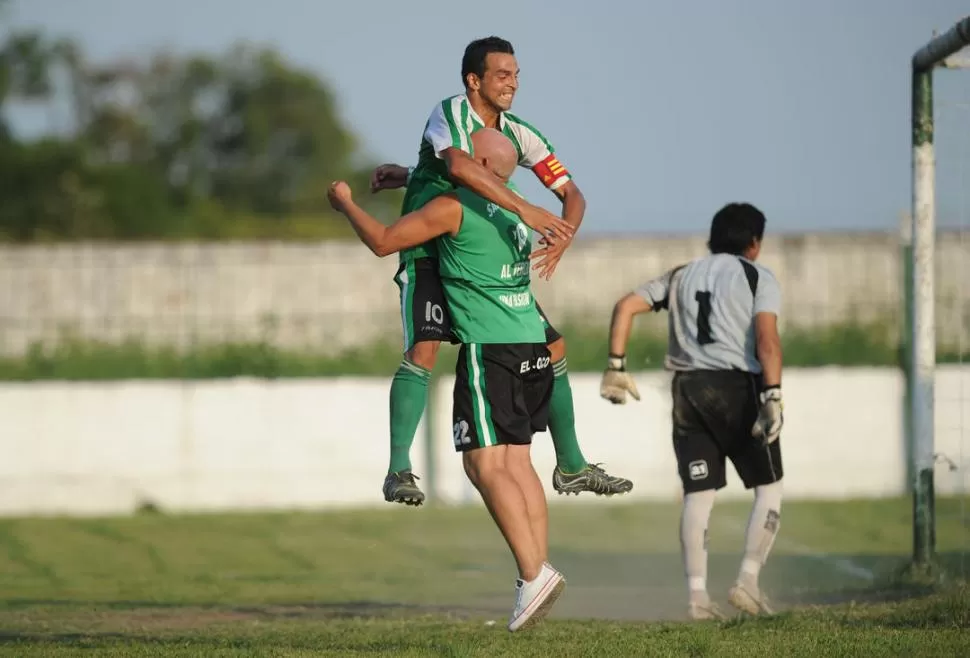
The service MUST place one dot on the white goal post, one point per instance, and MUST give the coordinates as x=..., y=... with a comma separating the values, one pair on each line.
x=920, y=362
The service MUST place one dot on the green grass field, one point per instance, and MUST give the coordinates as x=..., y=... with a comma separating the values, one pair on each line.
x=429, y=582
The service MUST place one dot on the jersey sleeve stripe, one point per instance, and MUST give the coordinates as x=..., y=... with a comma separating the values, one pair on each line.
x=447, y=110
x=455, y=111
x=466, y=138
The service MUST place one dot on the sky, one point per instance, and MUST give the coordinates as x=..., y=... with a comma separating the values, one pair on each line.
x=663, y=110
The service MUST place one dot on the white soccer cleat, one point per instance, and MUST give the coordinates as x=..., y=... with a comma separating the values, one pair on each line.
x=750, y=600
x=534, y=599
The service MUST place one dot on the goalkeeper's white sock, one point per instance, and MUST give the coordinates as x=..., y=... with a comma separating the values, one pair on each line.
x=694, y=518
x=762, y=529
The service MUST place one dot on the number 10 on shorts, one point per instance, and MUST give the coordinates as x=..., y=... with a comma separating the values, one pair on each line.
x=434, y=312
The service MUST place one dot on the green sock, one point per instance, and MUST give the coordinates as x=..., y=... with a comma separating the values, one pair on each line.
x=409, y=394
x=562, y=422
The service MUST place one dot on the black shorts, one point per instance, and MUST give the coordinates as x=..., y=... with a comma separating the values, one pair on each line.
x=713, y=412
x=501, y=394
x=424, y=311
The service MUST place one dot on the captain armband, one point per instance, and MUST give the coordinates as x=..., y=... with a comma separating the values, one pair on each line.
x=551, y=172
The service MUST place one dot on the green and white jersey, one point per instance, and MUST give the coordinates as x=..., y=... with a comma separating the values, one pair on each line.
x=485, y=274
x=451, y=125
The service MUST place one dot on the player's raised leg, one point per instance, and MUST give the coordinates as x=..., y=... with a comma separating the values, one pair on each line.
x=425, y=323
x=408, y=399
x=573, y=474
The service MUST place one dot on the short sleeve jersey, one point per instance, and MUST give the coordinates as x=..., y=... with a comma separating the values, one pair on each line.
x=712, y=303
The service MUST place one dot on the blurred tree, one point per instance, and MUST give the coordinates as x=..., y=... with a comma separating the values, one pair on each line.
x=24, y=70
x=242, y=144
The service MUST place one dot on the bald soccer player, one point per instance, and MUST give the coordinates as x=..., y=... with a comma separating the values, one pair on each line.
x=503, y=378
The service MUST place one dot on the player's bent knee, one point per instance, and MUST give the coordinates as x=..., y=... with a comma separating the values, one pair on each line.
x=424, y=354
x=557, y=349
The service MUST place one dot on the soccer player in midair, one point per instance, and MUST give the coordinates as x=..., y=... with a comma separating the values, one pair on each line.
x=503, y=376
x=445, y=161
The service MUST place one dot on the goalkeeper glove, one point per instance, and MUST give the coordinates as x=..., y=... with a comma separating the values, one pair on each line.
x=617, y=382
x=767, y=427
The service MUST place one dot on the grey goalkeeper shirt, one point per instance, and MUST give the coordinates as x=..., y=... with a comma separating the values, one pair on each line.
x=712, y=302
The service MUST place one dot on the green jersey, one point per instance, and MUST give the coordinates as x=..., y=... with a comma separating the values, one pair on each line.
x=451, y=124
x=484, y=272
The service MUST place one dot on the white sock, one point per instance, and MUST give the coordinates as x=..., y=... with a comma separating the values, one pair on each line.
x=694, y=518
x=762, y=529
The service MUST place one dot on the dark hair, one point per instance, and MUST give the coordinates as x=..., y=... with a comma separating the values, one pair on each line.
x=734, y=228
x=473, y=60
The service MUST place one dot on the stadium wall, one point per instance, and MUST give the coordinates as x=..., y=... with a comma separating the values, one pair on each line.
x=105, y=448
x=336, y=295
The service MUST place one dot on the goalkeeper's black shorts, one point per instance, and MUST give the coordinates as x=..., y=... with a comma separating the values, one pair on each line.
x=713, y=412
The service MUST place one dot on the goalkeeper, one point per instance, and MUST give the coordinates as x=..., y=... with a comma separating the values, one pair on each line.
x=725, y=353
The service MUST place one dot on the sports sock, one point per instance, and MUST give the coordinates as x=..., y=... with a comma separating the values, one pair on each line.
x=762, y=529
x=562, y=422
x=694, y=518
x=409, y=395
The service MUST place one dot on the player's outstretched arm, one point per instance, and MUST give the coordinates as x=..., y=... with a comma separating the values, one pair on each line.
x=465, y=171
x=617, y=382
x=441, y=215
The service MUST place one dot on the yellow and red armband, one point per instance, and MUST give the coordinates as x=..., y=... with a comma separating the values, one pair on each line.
x=551, y=172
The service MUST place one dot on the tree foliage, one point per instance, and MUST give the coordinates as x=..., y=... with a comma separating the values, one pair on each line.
x=242, y=144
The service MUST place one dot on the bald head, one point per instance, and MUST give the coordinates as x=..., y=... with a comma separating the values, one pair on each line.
x=495, y=152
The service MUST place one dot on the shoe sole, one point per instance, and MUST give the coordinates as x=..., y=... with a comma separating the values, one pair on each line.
x=540, y=612
x=598, y=493
x=744, y=602
x=407, y=499
x=578, y=489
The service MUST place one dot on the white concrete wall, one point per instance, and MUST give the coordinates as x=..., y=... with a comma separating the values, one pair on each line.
x=99, y=448
x=333, y=295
